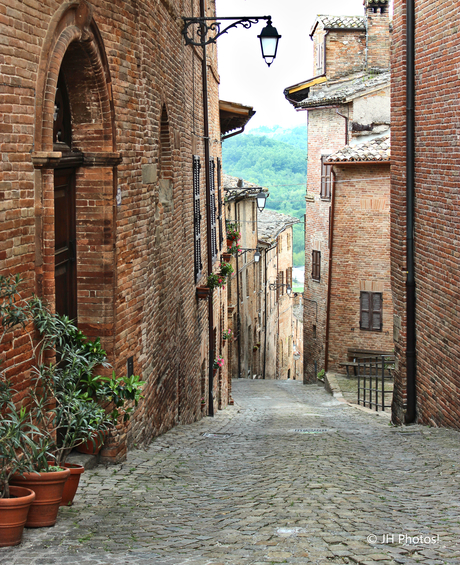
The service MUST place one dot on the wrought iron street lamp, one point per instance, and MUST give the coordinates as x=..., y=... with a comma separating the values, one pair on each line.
x=261, y=200
x=269, y=36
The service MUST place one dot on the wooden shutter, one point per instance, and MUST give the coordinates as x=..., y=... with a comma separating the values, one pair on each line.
x=212, y=187
x=371, y=304
x=316, y=265
x=376, y=322
x=289, y=276
x=197, y=215
x=219, y=197
x=365, y=305
x=325, y=178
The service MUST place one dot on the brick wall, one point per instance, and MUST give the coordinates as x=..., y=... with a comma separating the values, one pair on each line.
x=345, y=53
x=326, y=134
x=137, y=116
x=436, y=212
x=360, y=258
x=378, y=37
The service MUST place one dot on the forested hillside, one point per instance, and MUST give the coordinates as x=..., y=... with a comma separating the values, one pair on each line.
x=280, y=166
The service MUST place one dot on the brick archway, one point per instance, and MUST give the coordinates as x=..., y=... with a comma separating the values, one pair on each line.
x=73, y=47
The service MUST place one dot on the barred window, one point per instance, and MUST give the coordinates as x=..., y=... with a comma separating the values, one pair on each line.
x=212, y=191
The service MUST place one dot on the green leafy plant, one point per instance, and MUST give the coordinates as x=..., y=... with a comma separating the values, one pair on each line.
x=320, y=375
x=233, y=231
x=225, y=269
x=218, y=363
x=228, y=334
x=215, y=280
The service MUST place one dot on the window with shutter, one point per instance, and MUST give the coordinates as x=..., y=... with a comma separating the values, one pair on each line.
x=316, y=265
x=212, y=187
x=219, y=199
x=371, y=311
x=326, y=171
x=197, y=215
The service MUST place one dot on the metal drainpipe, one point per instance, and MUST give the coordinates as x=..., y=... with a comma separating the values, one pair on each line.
x=204, y=71
x=331, y=247
x=410, y=205
x=346, y=125
x=238, y=315
x=265, y=308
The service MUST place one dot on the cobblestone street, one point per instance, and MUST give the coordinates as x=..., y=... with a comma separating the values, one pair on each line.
x=291, y=476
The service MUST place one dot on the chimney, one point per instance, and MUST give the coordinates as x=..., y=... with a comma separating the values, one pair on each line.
x=377, y=35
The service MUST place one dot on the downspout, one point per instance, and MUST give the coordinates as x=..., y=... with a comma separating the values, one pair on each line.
x=329, y=275
x=204, y=71
x=410, y=196
x=238, y=315
x=346, y=125
x=265, y=307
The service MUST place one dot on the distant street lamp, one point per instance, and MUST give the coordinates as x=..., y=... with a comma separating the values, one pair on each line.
x=261, y=200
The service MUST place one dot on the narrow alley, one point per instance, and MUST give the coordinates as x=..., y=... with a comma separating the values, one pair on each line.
x=287, y=475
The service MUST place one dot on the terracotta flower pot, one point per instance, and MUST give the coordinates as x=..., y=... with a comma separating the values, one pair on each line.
x=71, y=485
x=229, y=242
x=203, y=292
x=94, y=445
x=227, y=257
x=48, y=488
x=13, y=515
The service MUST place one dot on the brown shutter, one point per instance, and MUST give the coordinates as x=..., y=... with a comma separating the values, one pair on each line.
x=364, y=316
x=212, y=186
x=316, y=265
x=219, y=198
x=197, y=215
x=376, y=311
x=326, y=171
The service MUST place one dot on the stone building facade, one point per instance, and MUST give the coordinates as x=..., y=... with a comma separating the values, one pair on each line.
x=360, y=312
x=261, y=318
x=101, y=117
x=427, y=347
x=348, y=102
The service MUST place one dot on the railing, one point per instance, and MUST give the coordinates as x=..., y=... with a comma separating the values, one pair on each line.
x=372, y=374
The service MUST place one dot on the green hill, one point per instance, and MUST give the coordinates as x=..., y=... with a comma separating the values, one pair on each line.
x=277, y=165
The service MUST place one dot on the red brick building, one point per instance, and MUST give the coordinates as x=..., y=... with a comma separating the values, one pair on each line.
x=425, y=237
x=103, y=206
x=360, y=305
x=348, y=102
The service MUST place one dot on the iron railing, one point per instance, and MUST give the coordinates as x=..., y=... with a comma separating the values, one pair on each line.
x=373, y=372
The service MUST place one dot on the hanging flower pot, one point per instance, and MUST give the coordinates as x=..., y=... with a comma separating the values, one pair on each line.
x=203, y=292
x=13, y=515
x=226, y=256
x=48, y=487
x=71, y=485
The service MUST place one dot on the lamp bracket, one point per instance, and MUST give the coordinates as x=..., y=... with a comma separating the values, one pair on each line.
x=203, y=28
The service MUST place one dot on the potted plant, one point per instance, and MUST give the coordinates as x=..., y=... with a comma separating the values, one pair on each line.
x=16, y=434
x=225, y=269
x=233, y=233
x=228, y=334
x=218, y=363
x=215, y=280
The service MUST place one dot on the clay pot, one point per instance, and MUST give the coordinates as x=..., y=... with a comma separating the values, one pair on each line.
x=203, y=292
x=94, y=445
x=48, y=488
x=227, y=257
x=71, y=485
x=13, y=515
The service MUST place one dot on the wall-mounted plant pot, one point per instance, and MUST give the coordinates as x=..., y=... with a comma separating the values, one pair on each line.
x=229, y=242
x=13, y=515
x=48, y=488
x=255, y=348
x=227, y=257
x=71, y=485
x=203, y=292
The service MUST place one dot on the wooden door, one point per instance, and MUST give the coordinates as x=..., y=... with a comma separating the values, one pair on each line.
x=65, y=271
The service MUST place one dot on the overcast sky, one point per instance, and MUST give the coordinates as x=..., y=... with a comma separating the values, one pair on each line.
x=246, y=78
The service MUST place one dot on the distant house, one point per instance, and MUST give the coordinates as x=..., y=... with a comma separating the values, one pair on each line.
x=348, y=102
x=260, y=317
x=360, y=306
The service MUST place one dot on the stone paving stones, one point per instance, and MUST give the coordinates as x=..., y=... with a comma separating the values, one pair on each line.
x=251, y=492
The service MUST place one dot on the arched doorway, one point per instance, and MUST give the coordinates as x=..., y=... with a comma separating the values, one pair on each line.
x=75, y=157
